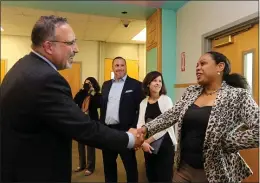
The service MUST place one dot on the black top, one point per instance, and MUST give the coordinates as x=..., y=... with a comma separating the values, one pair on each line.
x=194, y=127
x=152, y=111
x=94, y=104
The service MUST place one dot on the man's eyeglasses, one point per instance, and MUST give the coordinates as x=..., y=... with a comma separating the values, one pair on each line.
x=69, y=43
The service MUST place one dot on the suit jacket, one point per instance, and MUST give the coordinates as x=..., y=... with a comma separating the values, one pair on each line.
x=129, y=102
x=233, y=107
x=39, y=119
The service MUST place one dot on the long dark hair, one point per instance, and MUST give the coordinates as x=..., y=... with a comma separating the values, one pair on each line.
x=236, y=80
x=149, y=78
x=94, y=83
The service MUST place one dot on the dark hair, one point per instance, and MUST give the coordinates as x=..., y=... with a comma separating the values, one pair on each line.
x=44, y=29
x=118, y=58
x=149, y=78
x=236, y=80
x=94, y=83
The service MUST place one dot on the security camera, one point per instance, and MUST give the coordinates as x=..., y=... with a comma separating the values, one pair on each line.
x=125, y=23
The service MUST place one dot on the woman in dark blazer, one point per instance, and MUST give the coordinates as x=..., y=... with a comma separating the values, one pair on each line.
x=89, y=100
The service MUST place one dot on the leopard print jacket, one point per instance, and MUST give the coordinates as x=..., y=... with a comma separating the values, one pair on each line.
x=232, y=108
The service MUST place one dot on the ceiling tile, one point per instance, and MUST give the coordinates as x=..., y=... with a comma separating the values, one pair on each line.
x=86, y=27
x=37, y=13
x=105, y=8
x=8, y=10
x=72, y=17
x=127, y=33
x=95, y=18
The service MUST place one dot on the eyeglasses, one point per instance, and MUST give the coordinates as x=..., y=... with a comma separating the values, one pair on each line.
x=69, y=43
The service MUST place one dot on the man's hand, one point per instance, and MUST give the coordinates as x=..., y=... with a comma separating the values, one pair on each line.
x=142, y=131
x=139, y=137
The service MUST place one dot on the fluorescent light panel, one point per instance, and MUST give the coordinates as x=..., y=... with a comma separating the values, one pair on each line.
x=141, y=36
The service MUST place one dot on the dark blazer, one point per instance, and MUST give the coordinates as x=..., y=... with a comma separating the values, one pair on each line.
x=94, y=104
x=39, y=119
x=131, y=97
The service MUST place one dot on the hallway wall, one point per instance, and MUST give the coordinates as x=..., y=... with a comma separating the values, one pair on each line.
x=196, y=18
x=15, y=47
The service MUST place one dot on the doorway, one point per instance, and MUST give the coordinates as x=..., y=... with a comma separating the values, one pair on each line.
x=242, y=51
x=132, y=69
x=73, y=77
x=3, y=70
x=240, y=45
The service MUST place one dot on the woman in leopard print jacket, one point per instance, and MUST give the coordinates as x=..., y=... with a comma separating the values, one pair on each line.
x=209, y=116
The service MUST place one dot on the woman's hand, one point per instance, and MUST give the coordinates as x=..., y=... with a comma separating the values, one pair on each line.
x=147, y=148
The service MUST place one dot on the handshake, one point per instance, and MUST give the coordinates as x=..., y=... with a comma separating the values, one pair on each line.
x=139, y=135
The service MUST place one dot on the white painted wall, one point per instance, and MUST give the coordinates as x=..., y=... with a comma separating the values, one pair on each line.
x=13, y=48
x=200, y=17
x=90, y=54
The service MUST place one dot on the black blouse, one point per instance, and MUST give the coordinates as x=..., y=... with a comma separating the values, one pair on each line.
x=152, y=111
x=194, y=127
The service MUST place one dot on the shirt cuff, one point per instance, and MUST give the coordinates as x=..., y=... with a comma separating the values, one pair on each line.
x=131, y=141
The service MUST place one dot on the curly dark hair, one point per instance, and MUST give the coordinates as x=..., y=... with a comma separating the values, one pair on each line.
x=236, y=80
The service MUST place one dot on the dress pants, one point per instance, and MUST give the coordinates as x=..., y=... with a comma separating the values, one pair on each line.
x=188, y=174
x=110, y=165
x=91, y=157
x=159, y=167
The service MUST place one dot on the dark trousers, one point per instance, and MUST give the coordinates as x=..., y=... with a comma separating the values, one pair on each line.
x=91, y=157
x=110, y=165
x=159, y=167
x=188, y=174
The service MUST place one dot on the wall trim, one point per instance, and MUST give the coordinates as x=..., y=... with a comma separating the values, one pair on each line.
x=80, y=63
x=159, y=40
x=101, y=61
x=184, y=85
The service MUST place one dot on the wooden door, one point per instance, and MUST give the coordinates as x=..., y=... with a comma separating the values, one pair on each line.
x=132, y=69
x=3, y=70
x=237, y=49
x=73, y=76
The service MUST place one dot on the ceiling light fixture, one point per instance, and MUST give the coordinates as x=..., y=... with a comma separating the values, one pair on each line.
x=141, y=36
x=2, y=29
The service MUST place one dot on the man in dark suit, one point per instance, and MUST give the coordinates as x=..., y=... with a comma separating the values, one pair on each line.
x=121, y=98
x=39, y=118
